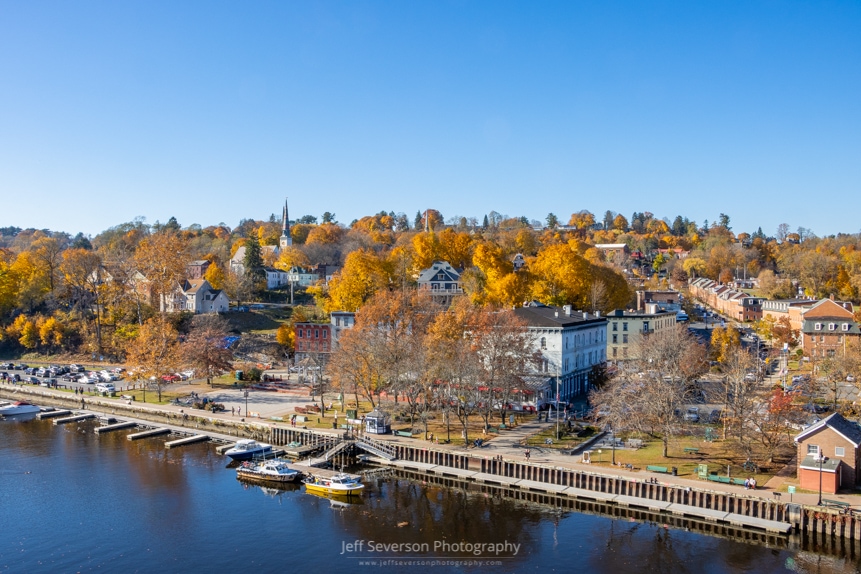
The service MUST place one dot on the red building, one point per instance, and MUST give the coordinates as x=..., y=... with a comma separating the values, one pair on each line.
x=313, y=338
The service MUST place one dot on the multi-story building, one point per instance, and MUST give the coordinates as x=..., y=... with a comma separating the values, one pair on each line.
x=627, y=328
x=827, y=327
x=572, y=345
x=442, y=281
x=312, y=338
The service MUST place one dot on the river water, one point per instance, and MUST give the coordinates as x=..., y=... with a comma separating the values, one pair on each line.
x=74, y=501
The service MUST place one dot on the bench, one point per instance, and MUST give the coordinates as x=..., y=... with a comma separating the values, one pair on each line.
x=652, y=468
x=726, y=479
x=692, y=449
x=406, y=433
x=300, y=410
x=837, y=503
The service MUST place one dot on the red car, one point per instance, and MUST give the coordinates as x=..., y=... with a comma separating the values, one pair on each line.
x=170, y=378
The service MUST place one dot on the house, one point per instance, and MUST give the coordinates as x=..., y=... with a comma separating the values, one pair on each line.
x=196, y=296
x=826, y=328
x=442, y=281
x=276, y=278
x=572, y=345
x=665, y=300
x=627, y=328
x=197, y=269
x=301, y=277
x=340, y=321
x=237, y=262
x=835, y=443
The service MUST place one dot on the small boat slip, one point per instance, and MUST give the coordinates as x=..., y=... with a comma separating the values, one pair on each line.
x=74, y=418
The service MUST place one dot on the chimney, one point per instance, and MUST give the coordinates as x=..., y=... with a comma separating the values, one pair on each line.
x=598, y=314
x=567, y=310
x=557, y=313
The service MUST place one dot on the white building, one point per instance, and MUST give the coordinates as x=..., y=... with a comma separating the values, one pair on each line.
x=196, y=296
x=572, y=344
x=627, y=329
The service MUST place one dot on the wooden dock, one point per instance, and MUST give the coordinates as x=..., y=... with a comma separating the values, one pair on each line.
x=52, y=414
x=321, y=472
x=718, y=516
x=116, y=426
x=148, y=433
x=186, y=440
x=74, y=419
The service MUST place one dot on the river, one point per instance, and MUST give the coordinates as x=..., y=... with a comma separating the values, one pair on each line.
x=74, y=501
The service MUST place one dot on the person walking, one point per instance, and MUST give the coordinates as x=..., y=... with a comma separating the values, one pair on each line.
x=527, y=453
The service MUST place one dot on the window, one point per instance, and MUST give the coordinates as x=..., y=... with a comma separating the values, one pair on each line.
x=614, y=352
x=831, y=326
x=615, y=326
x=817, y=327
x=615, y=339
x=625, y=326
x=316, y=334
x=625, y=338
x=645, y=326
x=813, y=449
x=845, y=326
x=543, y=342
x=839, y=451
x=325, y=334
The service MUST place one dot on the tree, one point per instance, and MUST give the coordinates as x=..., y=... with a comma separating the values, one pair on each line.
x=48, y=253
x=84, y=276
x=552, y=221
x=205, y=348
x=620, y=223
x=328, y=217
x=723, y=221
x=162, y=259
x=253, y=261
x=154, y=353
x=286, y=337
x=657, y=385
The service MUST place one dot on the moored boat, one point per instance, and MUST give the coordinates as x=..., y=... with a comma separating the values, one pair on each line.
x=246, y=449
x=274, y=471
x=338, y=485
x=18, y=408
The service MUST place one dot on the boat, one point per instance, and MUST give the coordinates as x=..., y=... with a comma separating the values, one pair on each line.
x=274, y=471
x=246, y=449
x=338, y=485
x=18, y=408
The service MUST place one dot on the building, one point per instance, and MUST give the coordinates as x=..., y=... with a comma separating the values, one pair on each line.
x=727, y=301
x=572, y=345
x=312, y=338
x=237, y=262
x=286, y=239
x=665, y=300
x=826, y=329
x=195, y=296
x=276, y=278
x=340, y=321
x=627, y=328
x=197, y=269
x=442, y=281
x=839, y=442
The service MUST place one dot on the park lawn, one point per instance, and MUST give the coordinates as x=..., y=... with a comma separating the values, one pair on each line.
x=567, y=442
x=716, y=454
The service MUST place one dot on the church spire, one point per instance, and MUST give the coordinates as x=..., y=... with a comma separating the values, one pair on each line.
x=286, y=239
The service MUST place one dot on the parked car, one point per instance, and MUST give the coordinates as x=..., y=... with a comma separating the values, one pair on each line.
x=69, y=377
x=32, y=380
x=693, y=414
x=8, y=366
x=105, y=388
x=256, y=306
x=714, y=416
x=87, y=380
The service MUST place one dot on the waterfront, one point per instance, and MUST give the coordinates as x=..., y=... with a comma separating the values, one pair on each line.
x=74, y=501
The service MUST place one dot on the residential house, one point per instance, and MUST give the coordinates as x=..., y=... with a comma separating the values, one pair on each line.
x=627, y=328
x=340, y=321
x=276, y=278
x=835, y=443
x=197, y=269
x=195, y=296
x=572, y=345
x=442, y=281
x=237, y=262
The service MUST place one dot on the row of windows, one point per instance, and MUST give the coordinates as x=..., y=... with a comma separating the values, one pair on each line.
x=831, y=326
x=307, y=334
x=301, y=346
x=814, y=450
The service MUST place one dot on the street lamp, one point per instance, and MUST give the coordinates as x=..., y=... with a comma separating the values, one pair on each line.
x=246, y=402
x=821, y=459
x=613, y=430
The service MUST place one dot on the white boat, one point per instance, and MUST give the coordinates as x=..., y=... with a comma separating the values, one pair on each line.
x=246, y=449
x=339, y=485
x=18, y=408
x=267, y=471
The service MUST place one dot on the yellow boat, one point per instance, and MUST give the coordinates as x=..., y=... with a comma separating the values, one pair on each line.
x=339, y=485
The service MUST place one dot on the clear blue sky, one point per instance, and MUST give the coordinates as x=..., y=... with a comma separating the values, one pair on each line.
x=215, y=111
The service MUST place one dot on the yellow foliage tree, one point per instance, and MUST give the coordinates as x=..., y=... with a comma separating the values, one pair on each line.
x=286, y=336
x=426, y=250
x=215, y=276
x=363, y=274
x=455, y=247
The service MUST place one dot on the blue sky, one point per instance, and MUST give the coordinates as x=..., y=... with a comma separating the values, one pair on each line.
x=215, y=111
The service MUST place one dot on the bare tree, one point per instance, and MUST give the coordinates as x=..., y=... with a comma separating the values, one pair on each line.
x=205, y=349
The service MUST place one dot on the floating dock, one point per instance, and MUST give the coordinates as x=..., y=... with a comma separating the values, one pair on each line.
x=74, y=419
x=52, y=414
x=186, y=440
x=148, y=433
x=116, y=426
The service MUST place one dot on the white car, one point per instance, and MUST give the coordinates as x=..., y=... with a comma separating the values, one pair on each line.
x=87, y=380
x=105, y=388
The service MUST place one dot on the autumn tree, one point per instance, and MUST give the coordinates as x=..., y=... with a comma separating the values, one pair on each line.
x=48, y=254
x=162, y=258
x=84, y=276
x=155, y=352
x=205, y=348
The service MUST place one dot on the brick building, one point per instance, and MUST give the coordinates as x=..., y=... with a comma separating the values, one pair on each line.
x=826, y=329
x=837, y=440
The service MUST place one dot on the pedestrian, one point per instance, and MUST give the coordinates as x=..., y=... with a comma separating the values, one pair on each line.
x=232, y=411
x=746, y=483
x=239, y=411
x=752, y=483
x=527, y=455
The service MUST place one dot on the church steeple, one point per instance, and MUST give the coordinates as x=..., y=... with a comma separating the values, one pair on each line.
x=286, y=239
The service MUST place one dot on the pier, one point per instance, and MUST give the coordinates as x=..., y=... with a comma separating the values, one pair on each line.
x=148, y=433
x=186, y=440
x=74, y=419
x=51, y=414
x=115, y=426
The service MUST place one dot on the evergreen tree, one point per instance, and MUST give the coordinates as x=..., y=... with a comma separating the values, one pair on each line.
x=485, y=224
x=172, y=224
x=609, y=217
x=679, y=226
x=552, y=221
x=418, y=221
x=253, y=261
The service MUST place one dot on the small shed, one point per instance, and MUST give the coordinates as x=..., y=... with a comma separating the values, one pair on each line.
x=378, y=422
